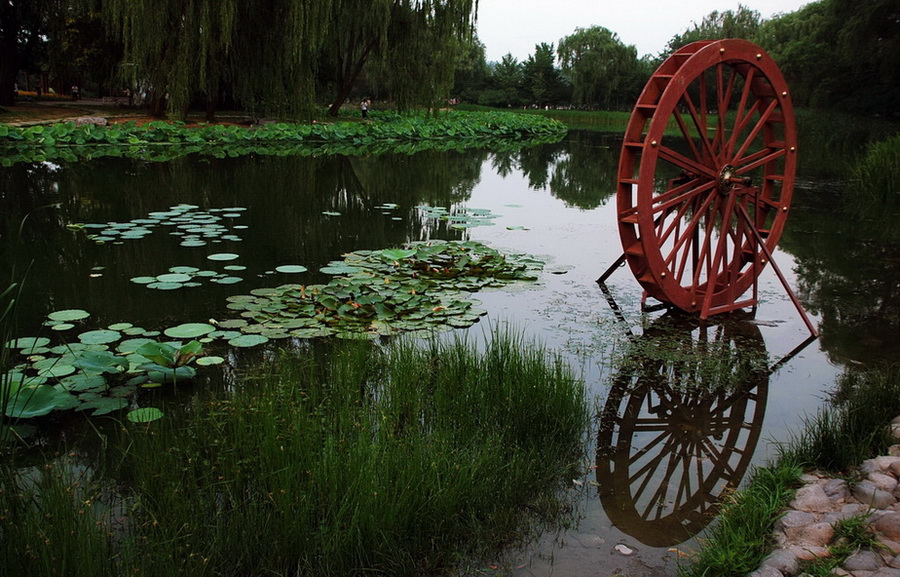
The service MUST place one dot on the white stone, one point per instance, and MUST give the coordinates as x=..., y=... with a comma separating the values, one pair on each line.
x=863, y=561
x=867, y=493
x=884, y=462
x=766, y=571
x=813, y=535
x=811, y=498
x=783, y=560
x=623, y=549
x=884, y=482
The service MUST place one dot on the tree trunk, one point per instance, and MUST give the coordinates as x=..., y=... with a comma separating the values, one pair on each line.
x=348, y=79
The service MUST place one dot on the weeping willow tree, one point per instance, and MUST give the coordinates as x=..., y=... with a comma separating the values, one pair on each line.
x=270, y=55
x=408, y=47
x=262, y=50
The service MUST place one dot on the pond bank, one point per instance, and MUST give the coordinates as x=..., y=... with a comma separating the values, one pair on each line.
x=809, y=532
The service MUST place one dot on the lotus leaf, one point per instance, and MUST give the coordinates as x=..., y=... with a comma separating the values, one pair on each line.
x=99, y=337
x=100, y=362
x=68, y=315
x=223, y=256
x=143, y=279
x=144, y=415
x=37, y=401
x=27, y=344
x=171, y=375
x=173, y=277
x=248, y=341
x=62, y=327
x=165, y=286
x=82, y=382
x=291, y=268
x=103, y=405
x=211, y=360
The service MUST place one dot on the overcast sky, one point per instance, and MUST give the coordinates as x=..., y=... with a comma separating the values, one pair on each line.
x=516, y=26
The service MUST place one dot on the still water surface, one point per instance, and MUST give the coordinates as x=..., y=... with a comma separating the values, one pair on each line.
x=663, y=457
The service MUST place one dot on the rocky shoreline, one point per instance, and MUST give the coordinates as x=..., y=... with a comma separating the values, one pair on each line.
x=807, y=528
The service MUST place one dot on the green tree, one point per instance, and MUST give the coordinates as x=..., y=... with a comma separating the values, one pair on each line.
x=839, y=56
x=505, y=83
x=604, y=72
x=411, y=47
x=541, y=80
x=23, y=26
x=472, y=74
x=742, y=23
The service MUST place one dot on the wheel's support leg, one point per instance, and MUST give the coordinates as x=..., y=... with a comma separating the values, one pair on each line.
x=781, y=277
x=612, y=268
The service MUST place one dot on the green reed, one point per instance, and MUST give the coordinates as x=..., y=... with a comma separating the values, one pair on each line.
x=403, y=460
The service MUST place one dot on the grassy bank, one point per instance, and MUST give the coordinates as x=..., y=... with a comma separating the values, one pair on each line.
x=851, y=429
x=408, y=460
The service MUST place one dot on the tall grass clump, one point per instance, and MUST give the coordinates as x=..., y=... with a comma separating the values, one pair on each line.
x=403, y=460
x=875, y=193
x=741, y=535
x=854, y=426
x=50, y=522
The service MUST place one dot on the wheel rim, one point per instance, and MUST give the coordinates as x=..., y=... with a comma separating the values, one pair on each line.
x=696, y=202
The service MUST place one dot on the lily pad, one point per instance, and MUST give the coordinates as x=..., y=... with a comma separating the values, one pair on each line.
x=174, y=277
x=28, y=343
x=103, y=405
x=220, y=256
x=189, y=330
x=248, y=341
x=211, y=360
x=99, y=337
x=291, y=268
x=68, y=315
x=144, y=415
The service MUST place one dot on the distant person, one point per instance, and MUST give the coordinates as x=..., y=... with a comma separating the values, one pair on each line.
x=364, y=108
x=74, y=92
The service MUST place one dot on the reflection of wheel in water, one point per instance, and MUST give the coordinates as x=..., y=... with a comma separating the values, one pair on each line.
x=706, y=175
x=680, y=427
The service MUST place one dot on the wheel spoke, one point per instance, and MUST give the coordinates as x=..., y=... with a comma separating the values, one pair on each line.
x=763, y=119
x=699, y=122
x=680, y=195
x=685, y=163
x=761, y=158
x=741, y=117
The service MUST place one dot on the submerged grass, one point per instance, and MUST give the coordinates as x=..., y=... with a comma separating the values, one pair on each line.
x=399, y=461
x=839, y=437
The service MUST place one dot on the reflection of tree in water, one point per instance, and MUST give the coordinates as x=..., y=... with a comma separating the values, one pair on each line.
x=680, y=426
x=285, y=198
x=579, y=170
x=849, y=275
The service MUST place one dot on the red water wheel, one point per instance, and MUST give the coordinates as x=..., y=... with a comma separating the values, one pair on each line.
x=706, y=175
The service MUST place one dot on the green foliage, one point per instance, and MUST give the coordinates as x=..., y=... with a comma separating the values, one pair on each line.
x=385, y=292
x=841, y=436
x=402, y=461
x=741, y=23
x=839, y=56
x=604, y=72
x=164, y=141
x=852, y=429
x=876, y=187
x=741, y=536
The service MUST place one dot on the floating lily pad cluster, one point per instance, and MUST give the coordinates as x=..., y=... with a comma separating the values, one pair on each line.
x=188, y=276
x=102, y=369
x=195, y=227
x=460, y=218
x=418, y=288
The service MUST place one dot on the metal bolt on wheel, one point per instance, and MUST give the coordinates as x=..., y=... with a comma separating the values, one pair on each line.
x=706, y=175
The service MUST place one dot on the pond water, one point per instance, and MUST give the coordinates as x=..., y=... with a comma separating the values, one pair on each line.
x=664, y=454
